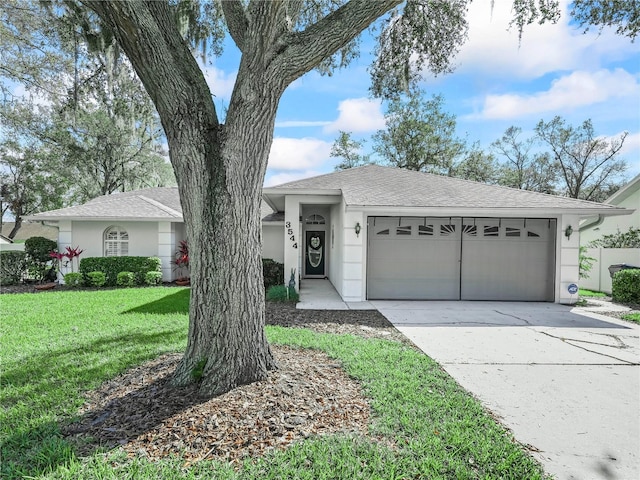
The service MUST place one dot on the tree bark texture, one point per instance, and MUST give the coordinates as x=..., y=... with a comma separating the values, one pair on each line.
x=220, y=168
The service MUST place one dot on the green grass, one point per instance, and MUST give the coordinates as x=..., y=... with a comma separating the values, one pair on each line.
x=56, y=345
x=590, y=293
x=633, y=317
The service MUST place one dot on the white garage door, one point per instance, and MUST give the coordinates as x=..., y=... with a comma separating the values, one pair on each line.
x=454, y=258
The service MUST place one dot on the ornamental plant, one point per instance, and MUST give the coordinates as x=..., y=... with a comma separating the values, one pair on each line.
x=181, y=260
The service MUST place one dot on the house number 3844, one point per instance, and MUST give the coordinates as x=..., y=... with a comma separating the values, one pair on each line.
x=292, y=237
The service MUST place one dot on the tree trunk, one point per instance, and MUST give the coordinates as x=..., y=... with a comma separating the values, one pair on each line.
x=16, y=227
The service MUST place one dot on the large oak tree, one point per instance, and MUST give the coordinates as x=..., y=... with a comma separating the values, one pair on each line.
x=220, y=167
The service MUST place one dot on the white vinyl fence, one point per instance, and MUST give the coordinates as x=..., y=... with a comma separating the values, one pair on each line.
x=6, y=247
x=599, y=278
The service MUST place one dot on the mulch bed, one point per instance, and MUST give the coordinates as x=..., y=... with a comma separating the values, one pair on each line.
x=142, y=414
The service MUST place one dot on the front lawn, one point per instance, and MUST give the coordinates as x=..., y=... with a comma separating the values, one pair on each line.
x=57, y=345
x=632, y=317
x=583, y=292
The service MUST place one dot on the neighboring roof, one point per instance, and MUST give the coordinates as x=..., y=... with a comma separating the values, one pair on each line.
x=28, y=230
x=624, y=192
x=377, y=186
x=149, y=204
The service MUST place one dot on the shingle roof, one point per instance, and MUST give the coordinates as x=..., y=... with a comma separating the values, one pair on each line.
x=152, y=204
x=378, y=186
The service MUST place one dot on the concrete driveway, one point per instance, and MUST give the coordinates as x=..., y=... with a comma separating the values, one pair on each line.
x=566, y=384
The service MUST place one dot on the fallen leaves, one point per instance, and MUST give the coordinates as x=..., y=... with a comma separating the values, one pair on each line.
x=308, y=395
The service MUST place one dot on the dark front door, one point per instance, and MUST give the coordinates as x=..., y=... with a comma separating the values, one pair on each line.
x=315, y=253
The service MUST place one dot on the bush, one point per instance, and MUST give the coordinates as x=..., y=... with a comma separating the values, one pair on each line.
x=626, y=286
x=12, y=266
x=282, y=293
x=96, y=279
x=37, y=250
x=73, y=279
x=126, y=279
x=112, y=266
x=272, y=272
x=153, y=278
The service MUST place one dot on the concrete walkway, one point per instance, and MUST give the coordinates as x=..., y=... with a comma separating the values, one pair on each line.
x=319, y=294
x=565, y=381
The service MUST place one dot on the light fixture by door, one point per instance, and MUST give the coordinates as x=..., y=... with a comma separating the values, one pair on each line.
x=568, y=232
x=357, y=229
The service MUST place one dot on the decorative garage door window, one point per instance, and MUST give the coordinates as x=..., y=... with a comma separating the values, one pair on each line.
x=116, y=242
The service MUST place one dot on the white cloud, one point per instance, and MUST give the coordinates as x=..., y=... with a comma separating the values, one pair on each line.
x=280, y=178
x=358, y=115
x=570, y=91
x=220, y=83
x=493, y=50
x=298, y=153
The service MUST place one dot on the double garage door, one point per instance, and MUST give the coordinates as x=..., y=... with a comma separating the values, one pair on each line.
x=418, y=258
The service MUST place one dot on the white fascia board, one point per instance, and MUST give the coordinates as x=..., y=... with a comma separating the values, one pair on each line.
x=37, y=218
x=300, y=191
x=484, y=212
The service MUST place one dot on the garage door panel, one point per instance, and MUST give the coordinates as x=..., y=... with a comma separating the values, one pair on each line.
x=509, y=259
x=413, y=258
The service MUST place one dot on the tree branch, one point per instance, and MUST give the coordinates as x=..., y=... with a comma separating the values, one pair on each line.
x=237, y=22
x=308, y=48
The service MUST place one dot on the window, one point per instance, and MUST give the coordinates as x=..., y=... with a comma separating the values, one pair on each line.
x=532, y=234
x=383, y=232
x=116, y=242
x=446, y=230
x=403, y=230
x=512, y=232
x=425, y=230
x=491, y=231
x=470, y=230
x=314, y=220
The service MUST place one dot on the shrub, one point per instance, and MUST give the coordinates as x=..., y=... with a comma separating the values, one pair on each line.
x=272, y=272
x=73, y=279
x=630, y=239
x=37, y=250
x=97, y=279
x=112, y=266
x=282, y=293
x=626, y=286
x=153, y=278
x=12, y=266
x=126, y=279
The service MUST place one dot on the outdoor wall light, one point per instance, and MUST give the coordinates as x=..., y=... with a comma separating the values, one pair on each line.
x=568, y=232
x=357, y=229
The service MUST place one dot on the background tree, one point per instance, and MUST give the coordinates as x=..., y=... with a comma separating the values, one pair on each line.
x=348, y=150
x=624, y=15
x=220, y=167
x=523, y=168
x=588, y=164
x=419, y=135
x=29, y=181
x=476, y=165
x=82, y=100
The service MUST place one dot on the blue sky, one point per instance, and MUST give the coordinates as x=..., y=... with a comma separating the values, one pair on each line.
x=556, y=70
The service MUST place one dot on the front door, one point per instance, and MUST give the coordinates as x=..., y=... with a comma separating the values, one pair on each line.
x=315, y=254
